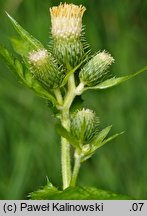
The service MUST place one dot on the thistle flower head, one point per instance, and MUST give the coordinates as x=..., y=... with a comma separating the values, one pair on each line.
x=66, y=20
x=84, y=125
x=95, y=71
x=45, y=69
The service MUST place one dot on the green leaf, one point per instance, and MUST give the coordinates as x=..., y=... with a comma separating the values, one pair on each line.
x=42, y=194
x=35, y=85
x=101, y=136
x=100, y=144
x=64, y=133
x=76, y=193
x=111, y=138
x=115, y=81
x=20, y=46
x=99, y=141
x=33, y=42
x=12, y=63
x=107, y=140
x=24, y=75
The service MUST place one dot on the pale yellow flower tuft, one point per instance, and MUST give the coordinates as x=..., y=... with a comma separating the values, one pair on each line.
x=38, y=58
x=105, y=57
x=66, y=20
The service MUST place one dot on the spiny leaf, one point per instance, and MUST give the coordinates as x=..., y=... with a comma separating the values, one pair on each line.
x=111, y=138
x=82, y=193
x=12, y=63
x=34, y=43
x=76, y=193
x=35, y=85
x=107, y=140
x=20, y=46
x=101, y=136
x=43, y=193
x=99, y=142
x=115, y=81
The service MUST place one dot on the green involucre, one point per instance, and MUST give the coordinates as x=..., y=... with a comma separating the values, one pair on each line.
x=45, y=69
x=84, y=125
x=69, y=52
x=96, y=70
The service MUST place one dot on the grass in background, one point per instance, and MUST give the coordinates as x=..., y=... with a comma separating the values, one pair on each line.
x=29, y=147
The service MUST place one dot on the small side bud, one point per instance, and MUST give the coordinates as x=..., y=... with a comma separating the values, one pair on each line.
x=96, y=70
x=45, y=68
x=84, y=125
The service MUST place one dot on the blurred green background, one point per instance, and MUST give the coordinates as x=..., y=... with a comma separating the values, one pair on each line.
x=29, y=146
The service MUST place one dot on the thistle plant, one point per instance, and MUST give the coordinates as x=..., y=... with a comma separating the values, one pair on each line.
x=60, y=73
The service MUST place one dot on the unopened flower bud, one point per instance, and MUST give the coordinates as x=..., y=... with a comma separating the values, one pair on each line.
x=95, y=71
x=66, y=20
x=84, y=125
x=45, y=68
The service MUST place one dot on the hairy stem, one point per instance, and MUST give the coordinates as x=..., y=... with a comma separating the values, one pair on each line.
x=65, y=151
x=75, y=170
x=58, y=95
x=65, y=145
x=71, y=92
x=65, y=162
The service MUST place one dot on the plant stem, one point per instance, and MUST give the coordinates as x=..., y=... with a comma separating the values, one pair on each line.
x=65, y=152
x=65, y=146
x=80, y=89
x=71, y=92
x=65, y=161
x=65, y=120
x=58, y=95
x=75, y=170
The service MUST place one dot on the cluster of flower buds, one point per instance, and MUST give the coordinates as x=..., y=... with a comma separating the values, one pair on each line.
x=68, y=50
x=67, y=46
